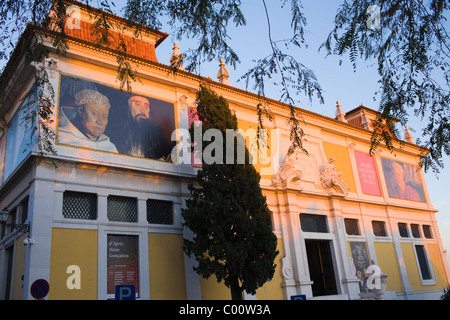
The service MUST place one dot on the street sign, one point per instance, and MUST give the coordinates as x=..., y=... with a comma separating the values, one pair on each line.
x=299, y=297
x=39, y=289
x=125, y=292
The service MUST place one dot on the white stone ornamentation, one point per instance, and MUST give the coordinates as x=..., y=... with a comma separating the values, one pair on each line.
x=332, y=180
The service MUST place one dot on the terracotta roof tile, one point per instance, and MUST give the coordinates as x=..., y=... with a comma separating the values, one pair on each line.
x=134, y=46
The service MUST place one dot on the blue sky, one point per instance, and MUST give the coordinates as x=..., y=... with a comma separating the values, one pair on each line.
x=339, y=82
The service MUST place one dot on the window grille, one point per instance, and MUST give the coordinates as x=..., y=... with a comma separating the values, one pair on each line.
x=24, y=209
x=403, y=230
x=122, y=209
x=415, y=230
x=313, y=223
x=351, y=227
x=159, y=211
x=79, y=205
x=12, y=219
x=379, y=228
x=427, y=231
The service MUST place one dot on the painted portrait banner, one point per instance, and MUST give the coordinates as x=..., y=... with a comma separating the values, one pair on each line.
x=19, y=139
x=99, y=117
x=367, y=174
x=402, y=180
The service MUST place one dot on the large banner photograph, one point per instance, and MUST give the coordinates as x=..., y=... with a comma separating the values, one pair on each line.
x=99, y=117
x=402, y=180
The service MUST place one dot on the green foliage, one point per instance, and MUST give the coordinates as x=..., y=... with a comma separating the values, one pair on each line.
x=204, y=20
x=228, y=214
x=411, y=48
x=296, y=80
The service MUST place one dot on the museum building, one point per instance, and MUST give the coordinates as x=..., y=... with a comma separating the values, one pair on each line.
x=105, y=208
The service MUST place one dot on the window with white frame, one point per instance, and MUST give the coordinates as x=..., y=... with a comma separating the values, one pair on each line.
x=351, y=227
x=415, y=230
x=379, y=228
x=422, y=259
x=427, y=231
x=403, y=230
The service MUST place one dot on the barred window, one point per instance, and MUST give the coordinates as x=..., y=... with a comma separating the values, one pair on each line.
x=379, y=228
x=159, y=211
x=351, y=227
x=79, y=205
x=122, y=209
x=313, y=223
x=403, y=230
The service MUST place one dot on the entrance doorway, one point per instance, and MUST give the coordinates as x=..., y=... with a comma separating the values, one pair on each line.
x=321, y=267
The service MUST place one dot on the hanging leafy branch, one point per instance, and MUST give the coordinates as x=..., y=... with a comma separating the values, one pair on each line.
x=205, y=20
x=411, y=47
x=295, y=78
x=45, y=18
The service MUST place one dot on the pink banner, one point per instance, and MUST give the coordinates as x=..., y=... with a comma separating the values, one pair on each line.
x=367, y=174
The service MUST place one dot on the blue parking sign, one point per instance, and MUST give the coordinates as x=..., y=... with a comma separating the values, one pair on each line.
x=299, y=297
x=125, y=292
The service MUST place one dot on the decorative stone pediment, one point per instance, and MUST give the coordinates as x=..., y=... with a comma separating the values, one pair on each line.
x=287, y=173
x=332, y=180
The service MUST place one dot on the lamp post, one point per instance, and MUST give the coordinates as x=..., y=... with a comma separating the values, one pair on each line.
x=22, y=228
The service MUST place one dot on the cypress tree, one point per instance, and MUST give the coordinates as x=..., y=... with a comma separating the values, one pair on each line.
x=228, y=213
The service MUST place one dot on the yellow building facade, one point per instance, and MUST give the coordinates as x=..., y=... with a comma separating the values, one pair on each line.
x=106, y=211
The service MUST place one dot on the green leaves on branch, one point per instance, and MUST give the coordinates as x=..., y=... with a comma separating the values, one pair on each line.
x=205, y=20
x=409, y=43
x=411, y=48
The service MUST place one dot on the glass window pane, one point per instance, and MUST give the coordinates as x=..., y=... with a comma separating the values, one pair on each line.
x=415, y=230
x=403, y=230
x=427, y=231
x=351, y=226
x=423, y=263
x=379, y=228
